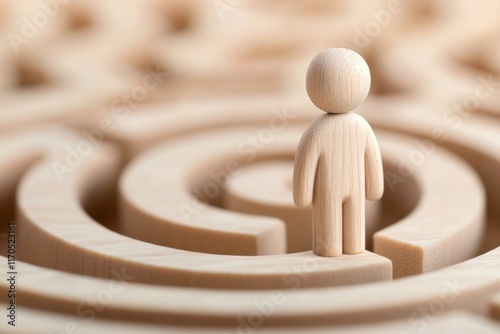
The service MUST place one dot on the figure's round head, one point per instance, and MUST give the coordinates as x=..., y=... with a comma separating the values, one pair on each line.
x=338, y=80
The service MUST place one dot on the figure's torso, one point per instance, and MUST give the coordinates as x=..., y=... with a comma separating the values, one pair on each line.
x=342, y=142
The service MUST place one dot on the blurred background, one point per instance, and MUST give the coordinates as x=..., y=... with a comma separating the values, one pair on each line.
x=70, y=60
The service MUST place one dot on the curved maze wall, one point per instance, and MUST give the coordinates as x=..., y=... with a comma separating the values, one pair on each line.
x=146, y=160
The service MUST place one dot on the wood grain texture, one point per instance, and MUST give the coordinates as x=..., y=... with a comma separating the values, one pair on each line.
x=44, y=322
x=333, y=157
x=103, y=238
x=456, y=236
x=338, y=80
x=265, y=188
x=433, y=105
x=177, y=207
x=99, y=251
x=420, y=250
x=476, y=140
x=338, y=161
x=466, y=286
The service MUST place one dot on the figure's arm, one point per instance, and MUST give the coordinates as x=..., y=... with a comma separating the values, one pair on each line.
x=304, y=171
x=374, y=173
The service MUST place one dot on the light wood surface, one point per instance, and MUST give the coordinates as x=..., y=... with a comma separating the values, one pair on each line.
x=396, y=141
x=66, y=198
x=338, y=163
x=462, y=286
x=468, y=142
x=175, y=203
x=149, y=263
x=226, y=283
x=265, y=188
x=44, y=322
x=333, y=157
x=495, y=306
x=229, y=73
x=338, y=80
x=456, y=235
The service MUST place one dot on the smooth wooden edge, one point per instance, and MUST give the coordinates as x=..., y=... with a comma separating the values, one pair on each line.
x=105, y=250
x=43, y=322
x=265, y=188
x=465, y=286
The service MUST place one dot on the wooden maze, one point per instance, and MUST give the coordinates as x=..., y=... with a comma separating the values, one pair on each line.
x=146, y=153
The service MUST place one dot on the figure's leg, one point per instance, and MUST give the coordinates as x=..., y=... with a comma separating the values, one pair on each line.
x=327, y=228
x=354, y=225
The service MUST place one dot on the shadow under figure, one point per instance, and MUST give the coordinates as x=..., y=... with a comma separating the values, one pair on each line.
x=338, y=160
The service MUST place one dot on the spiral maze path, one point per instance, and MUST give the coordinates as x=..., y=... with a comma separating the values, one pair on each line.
x=146, y=167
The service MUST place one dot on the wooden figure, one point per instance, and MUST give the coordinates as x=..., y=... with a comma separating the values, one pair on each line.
x=337, y=153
